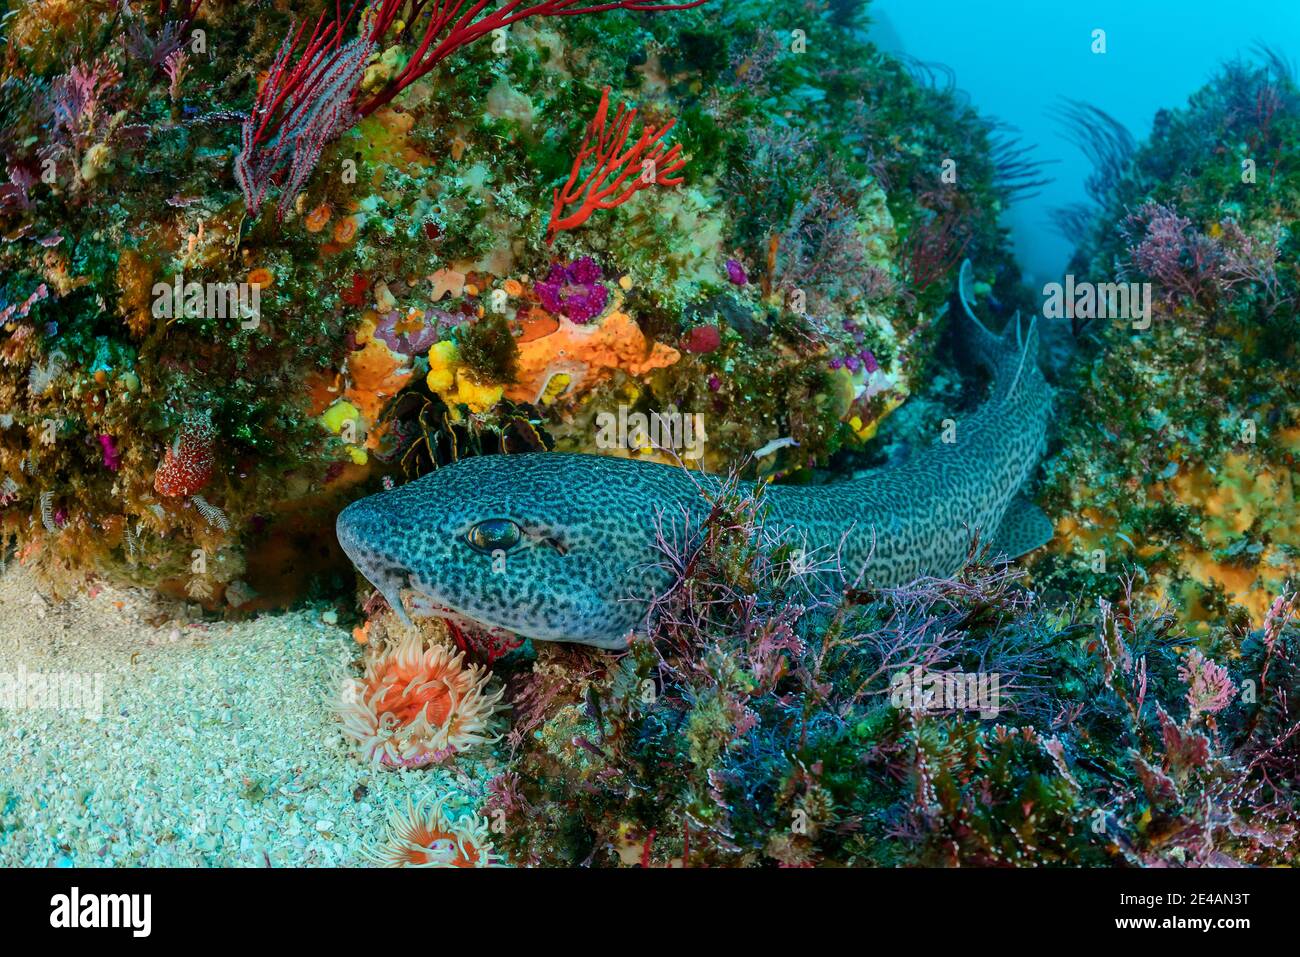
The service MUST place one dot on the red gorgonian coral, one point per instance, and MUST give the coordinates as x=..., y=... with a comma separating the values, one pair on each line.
x=934, y=246
x=645, y=163
x=299, y=109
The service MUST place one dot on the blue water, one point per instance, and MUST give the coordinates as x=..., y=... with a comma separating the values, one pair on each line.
x=1017, y=58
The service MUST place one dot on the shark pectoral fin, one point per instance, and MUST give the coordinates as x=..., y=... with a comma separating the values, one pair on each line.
x=1024, y=527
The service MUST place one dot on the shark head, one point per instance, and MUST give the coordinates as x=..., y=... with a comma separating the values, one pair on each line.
x=548, y=546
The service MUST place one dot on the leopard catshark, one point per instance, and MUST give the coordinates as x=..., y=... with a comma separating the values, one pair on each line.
x=564, y=547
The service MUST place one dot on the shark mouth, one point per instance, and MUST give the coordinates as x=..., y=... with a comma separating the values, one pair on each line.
x=476, y=639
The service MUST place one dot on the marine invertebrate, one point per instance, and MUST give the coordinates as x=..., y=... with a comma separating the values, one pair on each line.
x=188, y=462
x=412, y=332
x=425, y=835
x=574, y=291
x=1109, y=147
x=647, y=162
x=1019, y=175
x=316, y=220
x=376, y=373
x=703, y=339
x=449, y=378
x=933, y=247
x=261, y=277
x=1104, y=140
x=747, y=635
x=418, y=703
x=822, y=244
x=302, y=107
x=299, y=109
x=47, y=511
x=345, y=229
x=109, y=453
x=154, y=205
x=586, y=356
x=1216, y=532
x=211, y=514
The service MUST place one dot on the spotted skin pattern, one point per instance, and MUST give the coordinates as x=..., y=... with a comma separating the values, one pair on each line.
x=585, y=565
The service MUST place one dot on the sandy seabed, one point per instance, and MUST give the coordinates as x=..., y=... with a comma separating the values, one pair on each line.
x=214, y=744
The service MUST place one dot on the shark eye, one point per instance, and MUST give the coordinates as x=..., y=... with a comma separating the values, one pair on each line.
x=492, y=534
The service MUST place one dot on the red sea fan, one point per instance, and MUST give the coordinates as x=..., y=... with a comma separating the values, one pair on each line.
x=628, y=167
x=932, y=249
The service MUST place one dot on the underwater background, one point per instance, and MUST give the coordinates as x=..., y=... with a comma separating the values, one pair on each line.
x=260, y=260
x=1017, y=59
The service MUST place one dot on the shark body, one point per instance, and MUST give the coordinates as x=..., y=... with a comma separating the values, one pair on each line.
x=559, y=547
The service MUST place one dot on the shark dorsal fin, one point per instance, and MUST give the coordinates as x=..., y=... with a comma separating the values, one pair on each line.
x=987, y=346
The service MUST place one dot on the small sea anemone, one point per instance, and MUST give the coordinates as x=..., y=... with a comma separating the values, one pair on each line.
x=417, y=705
x=315, y=220
x=261, y=278
x=424, y=835
x=345, y=229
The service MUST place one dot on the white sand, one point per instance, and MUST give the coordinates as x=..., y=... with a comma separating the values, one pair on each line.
x=215, y=745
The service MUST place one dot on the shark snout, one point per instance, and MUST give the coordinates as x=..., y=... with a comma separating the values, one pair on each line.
x=351, y=528
x=370, y=538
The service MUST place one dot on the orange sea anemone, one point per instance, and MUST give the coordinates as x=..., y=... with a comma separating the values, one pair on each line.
x=417, y=705
x=261, y=278
x=424, y=835
x=315, y=220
